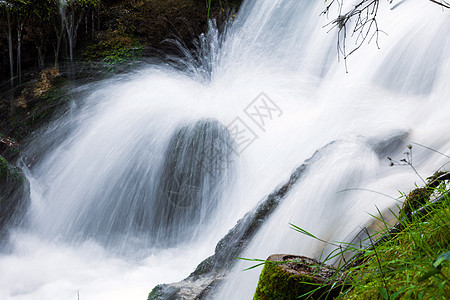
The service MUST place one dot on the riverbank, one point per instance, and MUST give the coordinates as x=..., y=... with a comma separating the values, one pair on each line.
x=406, y=261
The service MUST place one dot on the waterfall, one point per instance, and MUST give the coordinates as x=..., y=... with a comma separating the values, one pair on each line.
x=137, y=185
x=71, y=24
x=10, y=48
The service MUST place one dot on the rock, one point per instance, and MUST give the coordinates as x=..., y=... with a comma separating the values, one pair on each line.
x=14, y=197
x=9, y=148
x=197, y=165
x=163, y=292
x=421, y=196
x=286, y=277
x=36, y=89
x=166, y=204
x=37, y=102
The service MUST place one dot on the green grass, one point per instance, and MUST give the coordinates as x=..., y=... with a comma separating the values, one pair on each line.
x=413, y=264
x=410, y=262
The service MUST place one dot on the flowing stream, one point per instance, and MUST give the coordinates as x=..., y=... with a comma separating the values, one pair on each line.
x=139, y=182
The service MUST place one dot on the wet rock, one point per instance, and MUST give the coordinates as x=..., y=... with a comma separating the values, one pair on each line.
x=36, y=89
x=14, y=197
x=164, y=204
x=423, y=195
x=35, y=104
x=9, y=148
x=197, y=165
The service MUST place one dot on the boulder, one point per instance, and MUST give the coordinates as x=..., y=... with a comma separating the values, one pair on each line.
x=286, y=277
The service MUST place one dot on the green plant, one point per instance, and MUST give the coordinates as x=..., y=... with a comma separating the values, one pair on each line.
x=407, y=261
x=116, y=48
x=406, y=258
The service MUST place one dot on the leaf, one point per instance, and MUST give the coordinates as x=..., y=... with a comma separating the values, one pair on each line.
x=441, y=258
x=261, y=262
x=428, y=275
x=303, y=231
x=383, y=292
x=396, y=294
x=441, y=288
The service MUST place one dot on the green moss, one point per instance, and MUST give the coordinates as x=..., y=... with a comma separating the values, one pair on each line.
x=8, y=172
x=155, y=293
x=114, y=47
x=420, y=196
x=416, y=198
x=4, y=167
x=286, y=277
x=274, y=283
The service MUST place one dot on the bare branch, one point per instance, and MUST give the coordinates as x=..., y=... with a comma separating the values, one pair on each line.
x=361, y=23
x=442, y=3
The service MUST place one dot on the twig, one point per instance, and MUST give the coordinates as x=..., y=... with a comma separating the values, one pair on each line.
x=441, y=4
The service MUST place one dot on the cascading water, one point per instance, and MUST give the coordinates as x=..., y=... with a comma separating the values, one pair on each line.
x=145, y=179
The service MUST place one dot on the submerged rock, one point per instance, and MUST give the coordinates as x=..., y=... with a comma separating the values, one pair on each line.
x=196, y=167
x=157, y=203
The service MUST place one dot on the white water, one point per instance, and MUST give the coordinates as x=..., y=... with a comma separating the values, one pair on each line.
x=276, y=47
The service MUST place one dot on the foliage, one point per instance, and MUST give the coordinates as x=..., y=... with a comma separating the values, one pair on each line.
x=115, y=48
x=410, y=262
x=412, y=265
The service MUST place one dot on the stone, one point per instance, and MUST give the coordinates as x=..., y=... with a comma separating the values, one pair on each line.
x=286, y=277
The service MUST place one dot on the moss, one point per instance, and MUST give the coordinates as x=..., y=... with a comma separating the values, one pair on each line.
x=114, y=47
x=8, y=173
x=155, y=293
x=289, y=280
x=274, y=284
x=163, y=292
x=415, y=199
x=420, y=196
x=4, y=167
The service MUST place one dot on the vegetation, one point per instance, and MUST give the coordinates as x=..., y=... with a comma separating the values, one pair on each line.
x=114, y=49
x=44, y=22
x=413, y=264
x=407, y=261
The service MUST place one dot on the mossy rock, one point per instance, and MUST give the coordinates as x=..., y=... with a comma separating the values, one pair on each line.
x=36, y=104
x=421, y=196
x=286, y=277
x=163, y=292
x=415, y=199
